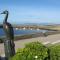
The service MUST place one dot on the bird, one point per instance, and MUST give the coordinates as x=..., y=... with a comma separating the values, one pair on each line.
x=7, y=27
x=9, y=42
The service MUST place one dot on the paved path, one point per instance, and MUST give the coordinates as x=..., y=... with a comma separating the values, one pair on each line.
x=52, y=39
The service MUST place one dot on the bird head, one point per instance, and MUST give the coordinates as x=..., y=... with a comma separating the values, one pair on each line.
x=5, y=12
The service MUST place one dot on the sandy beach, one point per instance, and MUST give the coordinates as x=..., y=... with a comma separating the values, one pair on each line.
x=52, y=39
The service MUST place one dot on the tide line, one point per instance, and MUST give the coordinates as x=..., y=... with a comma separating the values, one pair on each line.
x=47, y=42
x=55, y=42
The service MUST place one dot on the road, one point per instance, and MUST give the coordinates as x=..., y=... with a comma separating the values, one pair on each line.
x=52, y=39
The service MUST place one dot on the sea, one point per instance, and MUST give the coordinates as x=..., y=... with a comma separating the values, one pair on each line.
x=21, y=32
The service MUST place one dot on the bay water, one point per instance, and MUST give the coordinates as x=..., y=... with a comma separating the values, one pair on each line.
x=21, y=32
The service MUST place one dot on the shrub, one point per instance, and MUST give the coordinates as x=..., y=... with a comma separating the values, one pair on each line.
x=55, y=52
x=32, y=51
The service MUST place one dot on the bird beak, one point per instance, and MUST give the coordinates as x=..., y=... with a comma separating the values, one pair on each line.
x=1, y=13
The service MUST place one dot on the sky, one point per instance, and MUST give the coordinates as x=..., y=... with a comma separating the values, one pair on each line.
x=31, y=11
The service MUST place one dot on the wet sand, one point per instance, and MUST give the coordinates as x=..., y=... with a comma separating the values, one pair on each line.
x=52, y=39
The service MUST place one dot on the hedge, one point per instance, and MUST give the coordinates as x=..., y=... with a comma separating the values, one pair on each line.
x=55, y=52
x=32, y=51
x=37, y=51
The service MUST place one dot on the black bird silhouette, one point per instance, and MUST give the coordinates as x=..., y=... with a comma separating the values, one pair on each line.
x=9, y=42
x=7, y=27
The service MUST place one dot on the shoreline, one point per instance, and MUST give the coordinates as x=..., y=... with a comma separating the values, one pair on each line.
x=51, y=39
x=33, y=35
